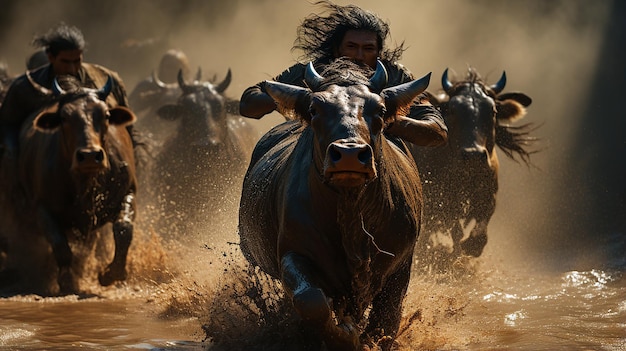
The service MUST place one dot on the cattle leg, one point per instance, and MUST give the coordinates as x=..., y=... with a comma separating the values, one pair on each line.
x=311, y=303
x=386, y=312
x=122, y=235
x=61, y=251
x=477, y=240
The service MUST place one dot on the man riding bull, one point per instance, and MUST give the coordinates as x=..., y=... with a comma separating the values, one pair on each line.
x=64, y=47
x=349, y=31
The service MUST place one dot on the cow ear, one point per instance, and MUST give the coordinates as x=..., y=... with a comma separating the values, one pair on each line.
x=121, y=116
x=522, y=98
x=48, y=120
x=509, y=111
x=169, y=112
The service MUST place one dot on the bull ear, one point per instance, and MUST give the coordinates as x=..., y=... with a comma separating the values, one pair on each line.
x=286, y=96
x=48, y=120
x=509, y=111
x=169, y=112
x=402, y=95
x=522, y=98
x=121, y=116
x=220, y=88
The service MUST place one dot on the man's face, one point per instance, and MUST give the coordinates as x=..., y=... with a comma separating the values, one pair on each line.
x=361, y=46
x=66, y=62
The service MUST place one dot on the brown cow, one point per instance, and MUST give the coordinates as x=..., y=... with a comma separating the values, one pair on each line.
x=77, y=171
x=460, y=179
x=331, y=207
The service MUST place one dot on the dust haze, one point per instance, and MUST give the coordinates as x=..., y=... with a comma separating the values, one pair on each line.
x=554, y=51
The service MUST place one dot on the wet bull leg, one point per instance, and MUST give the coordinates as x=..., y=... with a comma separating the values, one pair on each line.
x=61, y=251
x=311, y=303
x=123, y=235
x=384, y=318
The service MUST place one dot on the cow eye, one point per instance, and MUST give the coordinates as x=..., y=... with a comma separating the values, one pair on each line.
x=312, y=111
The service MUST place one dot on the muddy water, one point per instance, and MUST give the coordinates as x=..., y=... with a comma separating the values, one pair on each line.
x=486, y=304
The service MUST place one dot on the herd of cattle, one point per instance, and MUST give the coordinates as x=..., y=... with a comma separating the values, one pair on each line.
x=332, y=212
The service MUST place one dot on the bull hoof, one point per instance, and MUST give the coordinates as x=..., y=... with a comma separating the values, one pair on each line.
x=312, y=306
x=344, y=336
x=67, y=282
x=110, y=276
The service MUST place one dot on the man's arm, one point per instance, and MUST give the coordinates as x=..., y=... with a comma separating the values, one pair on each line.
x=423, y=127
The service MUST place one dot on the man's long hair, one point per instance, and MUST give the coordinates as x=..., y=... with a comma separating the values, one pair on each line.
x=318, y=36
x=59, y=38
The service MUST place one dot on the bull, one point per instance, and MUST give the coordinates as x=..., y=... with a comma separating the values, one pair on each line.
x=460, y=179
x=76, y=169
x=331, y=207
x=206, y=156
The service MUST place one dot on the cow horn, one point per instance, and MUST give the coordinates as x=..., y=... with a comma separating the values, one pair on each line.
x=199, y=74
x=161, y=84
x=404, y=93
x=499, y=86
x=379, y=79
x=445, y=82
x=181, y=83
x=41, y=89
x=105, y=90
x=56, y=88
x=312, y=78
x=285, y=95
x=225, y=83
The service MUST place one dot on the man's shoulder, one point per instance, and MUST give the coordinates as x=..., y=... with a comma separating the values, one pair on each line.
x=93, y=68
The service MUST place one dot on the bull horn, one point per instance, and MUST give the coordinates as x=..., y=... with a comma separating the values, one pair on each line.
x=225, y=83
x=56, y=88
x=445, y=82
x=40, y=88
x=181, y=82
x=404, y=94
x=285, y=95
x=312, y=78
x=199, y=74
x=379, y=79
x=499, y=86
x=105, y=90
x=161, y=84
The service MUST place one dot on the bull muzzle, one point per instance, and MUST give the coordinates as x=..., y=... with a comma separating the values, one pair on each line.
x=475, y=154
x=88, y=160
x=349, y=164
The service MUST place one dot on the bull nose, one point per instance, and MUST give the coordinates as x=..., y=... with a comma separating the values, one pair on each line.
x=349, y=157
x=90, y=156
